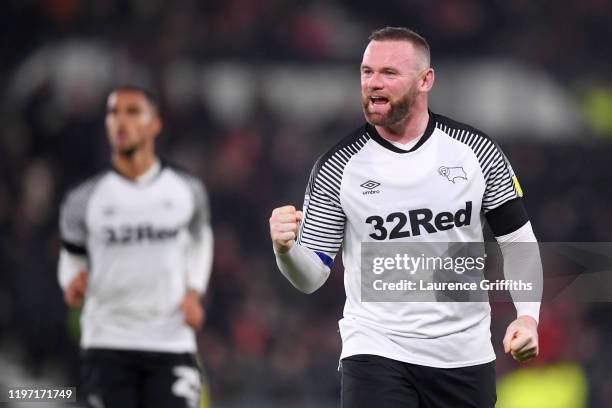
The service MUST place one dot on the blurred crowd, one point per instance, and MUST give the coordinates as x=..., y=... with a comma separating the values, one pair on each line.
x=265, y=342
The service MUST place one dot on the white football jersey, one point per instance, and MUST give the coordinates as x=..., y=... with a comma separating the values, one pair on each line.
x=144, y=245
x=365, y=189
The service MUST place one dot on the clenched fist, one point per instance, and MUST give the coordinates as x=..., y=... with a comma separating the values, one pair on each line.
x=284, y=225
x=521, y=339
x=75, y=292
x=193, y=311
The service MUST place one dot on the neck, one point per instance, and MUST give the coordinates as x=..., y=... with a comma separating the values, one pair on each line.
x=410, y=128
x=134, y=165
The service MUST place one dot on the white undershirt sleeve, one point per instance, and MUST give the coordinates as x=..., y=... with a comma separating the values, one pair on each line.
x=522, y=262
x=303, y=268
x=69, y=267
x=199, y=260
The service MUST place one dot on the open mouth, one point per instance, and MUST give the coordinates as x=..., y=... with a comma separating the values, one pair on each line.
x=378, y=100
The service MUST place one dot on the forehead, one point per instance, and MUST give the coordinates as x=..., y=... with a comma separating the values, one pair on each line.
x=398, y=54
x=127, y=97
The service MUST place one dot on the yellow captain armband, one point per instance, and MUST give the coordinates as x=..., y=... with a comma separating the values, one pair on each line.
x=517, y=185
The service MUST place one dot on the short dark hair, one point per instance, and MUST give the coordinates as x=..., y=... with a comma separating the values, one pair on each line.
x=150, y=96
x=402, y=34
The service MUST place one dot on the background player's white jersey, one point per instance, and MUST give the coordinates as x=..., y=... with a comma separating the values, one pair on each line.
x=145, y=242
x=444, y=186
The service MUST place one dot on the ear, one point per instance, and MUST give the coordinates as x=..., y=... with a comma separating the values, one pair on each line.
x=157, y=126
x=427, y=81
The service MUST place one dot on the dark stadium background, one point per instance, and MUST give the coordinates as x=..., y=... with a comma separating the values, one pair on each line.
x=252, y=92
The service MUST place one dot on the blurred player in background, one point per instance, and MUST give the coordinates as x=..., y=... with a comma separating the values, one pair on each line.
x=409, y=175
x=137, y=253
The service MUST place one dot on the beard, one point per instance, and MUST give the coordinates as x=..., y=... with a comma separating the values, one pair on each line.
x=398, y=110
x=129, y=151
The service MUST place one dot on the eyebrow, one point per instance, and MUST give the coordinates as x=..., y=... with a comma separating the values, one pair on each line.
x=130, y=107
x=384, y=68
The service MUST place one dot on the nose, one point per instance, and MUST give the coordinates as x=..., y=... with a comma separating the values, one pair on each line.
x=374, y=82
x=120, y=120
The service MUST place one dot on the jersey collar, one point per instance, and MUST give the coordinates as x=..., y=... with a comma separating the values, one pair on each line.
x=431, y=125
x=145, y=178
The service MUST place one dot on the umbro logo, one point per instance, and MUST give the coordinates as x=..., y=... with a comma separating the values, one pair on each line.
x=370, y=185
x=453, y=174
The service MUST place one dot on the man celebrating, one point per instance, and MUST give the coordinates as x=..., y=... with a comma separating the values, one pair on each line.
x=409, y=161
x=137, y=251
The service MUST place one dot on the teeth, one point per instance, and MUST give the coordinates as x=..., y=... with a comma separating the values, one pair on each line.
x=376, y=99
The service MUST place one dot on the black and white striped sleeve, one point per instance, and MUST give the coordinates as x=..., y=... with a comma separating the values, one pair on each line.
x=502, y=199
x=499, y=177
x=322, y=229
